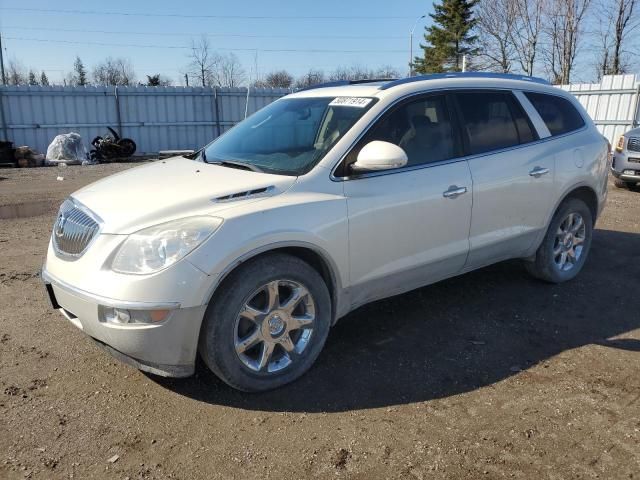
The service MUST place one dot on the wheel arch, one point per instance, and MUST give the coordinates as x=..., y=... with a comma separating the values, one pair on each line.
x=587, y=195
x=317, y=258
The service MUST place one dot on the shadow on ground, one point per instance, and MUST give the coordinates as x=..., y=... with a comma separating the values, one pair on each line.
x=455, y=336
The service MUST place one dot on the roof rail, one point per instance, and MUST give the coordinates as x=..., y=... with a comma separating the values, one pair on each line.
x=437, y=76
x=341, y=83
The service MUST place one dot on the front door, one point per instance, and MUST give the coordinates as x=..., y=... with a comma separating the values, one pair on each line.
x=409, y=227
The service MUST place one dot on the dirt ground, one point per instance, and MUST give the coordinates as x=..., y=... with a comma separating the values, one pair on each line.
x=488, y=375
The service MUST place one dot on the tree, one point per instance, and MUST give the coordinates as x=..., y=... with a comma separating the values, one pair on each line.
x=277, y=79
x=114, y=71
x=203, y=61
x=15, y=73
x=312, y=77
x=496, y=20
x=527, y=32
x=157, y=81
x=449, y=38
x=32, y=78
x=564, y=21
x=43, y=79
x=617, y=20
x=79, y=73
x=228, y=71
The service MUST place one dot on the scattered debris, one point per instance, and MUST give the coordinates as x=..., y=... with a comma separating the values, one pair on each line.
x=114, y=459
x=66, y=149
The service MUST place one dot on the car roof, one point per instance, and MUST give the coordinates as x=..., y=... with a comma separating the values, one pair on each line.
x=393, y=87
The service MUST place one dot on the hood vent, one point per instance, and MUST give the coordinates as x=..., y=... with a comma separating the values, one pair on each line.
x=258, y=192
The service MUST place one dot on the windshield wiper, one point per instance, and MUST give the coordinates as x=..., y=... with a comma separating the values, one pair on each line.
x=240, y=165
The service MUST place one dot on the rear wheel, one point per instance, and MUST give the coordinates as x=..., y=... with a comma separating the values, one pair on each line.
x=566, y=244
x=267, y=323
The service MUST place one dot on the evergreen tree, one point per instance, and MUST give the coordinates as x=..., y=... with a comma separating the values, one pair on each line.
x=43, y=79
x=449, y=38
x=32, y=78
x=80, y=73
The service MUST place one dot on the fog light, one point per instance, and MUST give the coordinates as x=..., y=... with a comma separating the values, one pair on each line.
x=120, y=316
x=629, y=172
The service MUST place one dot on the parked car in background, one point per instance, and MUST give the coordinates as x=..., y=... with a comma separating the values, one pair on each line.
x=626, y=160
x=323, y=201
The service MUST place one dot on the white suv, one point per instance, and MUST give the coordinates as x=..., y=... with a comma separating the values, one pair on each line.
x=325, y=200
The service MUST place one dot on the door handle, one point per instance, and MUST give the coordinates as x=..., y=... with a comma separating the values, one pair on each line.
x=454, y=191
x=537, y=172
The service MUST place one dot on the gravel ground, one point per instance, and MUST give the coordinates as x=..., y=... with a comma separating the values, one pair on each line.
x=487, y=375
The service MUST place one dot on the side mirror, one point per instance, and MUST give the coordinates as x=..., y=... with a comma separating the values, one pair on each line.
x=378, y=155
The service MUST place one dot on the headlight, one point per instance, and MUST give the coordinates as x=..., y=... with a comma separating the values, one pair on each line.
x=620, y=144
x=155, y=248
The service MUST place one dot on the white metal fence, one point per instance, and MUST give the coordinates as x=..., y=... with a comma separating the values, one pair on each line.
x=173, y=118
x=613, y=103
x=156, y=118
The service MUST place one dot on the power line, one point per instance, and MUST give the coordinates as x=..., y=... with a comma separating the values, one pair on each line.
x=191, y=34
x=181, y=15
x=182, y=47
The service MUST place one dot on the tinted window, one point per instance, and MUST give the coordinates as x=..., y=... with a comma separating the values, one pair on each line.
x=422, y=128
x=493, y=120
x=558, y=113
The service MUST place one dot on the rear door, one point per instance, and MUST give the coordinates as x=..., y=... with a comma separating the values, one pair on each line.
x=513, y=175
x=409, y=226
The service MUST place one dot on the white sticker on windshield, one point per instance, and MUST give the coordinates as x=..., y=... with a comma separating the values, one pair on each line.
x=358, y=102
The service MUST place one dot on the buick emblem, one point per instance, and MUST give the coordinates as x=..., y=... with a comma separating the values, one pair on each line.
x=59, y=228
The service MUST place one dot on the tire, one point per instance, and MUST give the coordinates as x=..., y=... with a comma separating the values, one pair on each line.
x=233, y=346
x=622, y=184
x=127, y=146
x=546, y=265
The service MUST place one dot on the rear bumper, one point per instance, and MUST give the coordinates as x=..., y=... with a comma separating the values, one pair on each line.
x=167, y=348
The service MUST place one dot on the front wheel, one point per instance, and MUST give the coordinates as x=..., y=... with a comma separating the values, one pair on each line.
x=267, y=323
x=566, y=244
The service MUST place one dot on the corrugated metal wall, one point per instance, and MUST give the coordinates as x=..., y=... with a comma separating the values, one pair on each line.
x=612, y=103
x=156, y=118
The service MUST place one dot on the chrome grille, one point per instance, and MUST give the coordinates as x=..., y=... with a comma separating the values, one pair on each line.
x=73, y=230
x=633, y=144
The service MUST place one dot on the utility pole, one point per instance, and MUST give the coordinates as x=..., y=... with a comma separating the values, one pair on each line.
x=4, y=78
x=411, y=44
x=186, y=79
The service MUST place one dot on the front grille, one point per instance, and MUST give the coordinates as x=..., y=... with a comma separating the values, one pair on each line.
x=73, y=230
x=633, y=144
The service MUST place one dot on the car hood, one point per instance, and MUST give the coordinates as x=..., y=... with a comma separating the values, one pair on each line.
x=174, y=188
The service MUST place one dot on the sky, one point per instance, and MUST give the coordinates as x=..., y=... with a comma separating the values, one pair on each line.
x=155, y=35
x=266, y=36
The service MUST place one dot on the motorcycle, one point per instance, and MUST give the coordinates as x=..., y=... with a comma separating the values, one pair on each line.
x=111, y=147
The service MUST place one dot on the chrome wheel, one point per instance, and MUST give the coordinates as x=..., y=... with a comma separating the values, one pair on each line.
x=274, y=327
x=569, y=242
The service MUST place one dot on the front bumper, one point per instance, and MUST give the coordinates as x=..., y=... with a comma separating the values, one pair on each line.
x=625, y=161
x=167, y=348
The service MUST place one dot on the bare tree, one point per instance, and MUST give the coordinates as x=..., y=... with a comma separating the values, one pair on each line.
x=563, y=28
x=228, y=72
x=618, y=18
x=114, y=71
x=387, y=71
x=527, y=32
x=204, y=61
x=496, y=20
x=312, y=77
x=16, y=74
x=277, y=79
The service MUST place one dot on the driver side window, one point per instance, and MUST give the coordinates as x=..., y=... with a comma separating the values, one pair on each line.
x=422, y=128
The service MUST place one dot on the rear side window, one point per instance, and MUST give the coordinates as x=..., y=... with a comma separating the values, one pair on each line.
x=558, y=113
x=492, y=121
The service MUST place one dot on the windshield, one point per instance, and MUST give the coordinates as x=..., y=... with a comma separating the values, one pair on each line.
x=289, y=136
